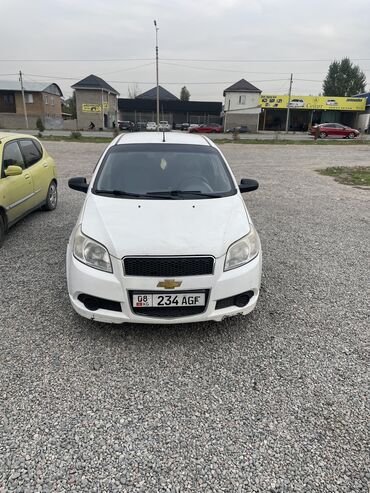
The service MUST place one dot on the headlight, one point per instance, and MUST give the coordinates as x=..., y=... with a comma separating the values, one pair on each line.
x=91, y=252
x=243, y=250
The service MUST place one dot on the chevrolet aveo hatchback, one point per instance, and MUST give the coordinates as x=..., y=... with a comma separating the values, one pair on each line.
x=27, y=180
x=164, y=235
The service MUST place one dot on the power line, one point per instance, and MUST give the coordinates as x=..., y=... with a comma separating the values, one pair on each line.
x=228, y=60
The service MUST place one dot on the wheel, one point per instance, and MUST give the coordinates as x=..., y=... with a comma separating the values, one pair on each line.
x=194, y=183
x=52, y=198
x=351, y=135
x=2, y=230
x=323, y=135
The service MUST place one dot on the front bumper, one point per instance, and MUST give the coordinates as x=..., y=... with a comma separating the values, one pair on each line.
x=116, y=287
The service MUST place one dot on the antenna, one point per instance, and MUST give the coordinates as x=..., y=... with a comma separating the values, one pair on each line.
x=164, y=133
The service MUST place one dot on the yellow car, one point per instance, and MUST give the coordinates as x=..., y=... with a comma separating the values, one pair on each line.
x=28, y=179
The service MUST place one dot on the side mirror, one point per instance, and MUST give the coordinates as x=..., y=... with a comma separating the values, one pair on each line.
x=13, y=170
x=78, y=183
x=248, y=185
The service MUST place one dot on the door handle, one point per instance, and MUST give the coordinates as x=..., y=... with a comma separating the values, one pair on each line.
x=45, y=165
x=27, y=177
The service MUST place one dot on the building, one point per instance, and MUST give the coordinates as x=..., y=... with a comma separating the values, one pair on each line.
x=143, y=109
x=42, y=100
x=363, y=119
x=305, y=111
x=242, y=106
x=96, y=101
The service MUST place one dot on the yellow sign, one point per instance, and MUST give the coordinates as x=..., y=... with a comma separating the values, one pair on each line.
x=312, y=102
x=93, y=108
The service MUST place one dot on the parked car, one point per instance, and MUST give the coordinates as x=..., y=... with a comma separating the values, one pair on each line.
x=151, y=126
x=164, y=126
x=193, y=125
x=334, y=130
x=241, y=130
x=126, y=125
x=185, y=126
x=207, y=128
x=28, y=179
x=296, y=103
x=154, y=242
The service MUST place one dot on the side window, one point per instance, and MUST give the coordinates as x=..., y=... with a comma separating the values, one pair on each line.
x=30, y=152
x=242, y=99
x=12, y=156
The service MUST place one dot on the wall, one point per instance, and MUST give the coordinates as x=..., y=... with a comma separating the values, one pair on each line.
x=251, y=102
x=95, y=96
x=237, y=119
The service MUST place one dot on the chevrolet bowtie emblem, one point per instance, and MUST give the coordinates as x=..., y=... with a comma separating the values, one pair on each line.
x=169, y=284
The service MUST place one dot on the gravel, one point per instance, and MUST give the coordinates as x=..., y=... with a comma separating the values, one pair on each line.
x=273, y=402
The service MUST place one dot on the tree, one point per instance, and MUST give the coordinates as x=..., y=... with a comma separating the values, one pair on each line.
x=69, y=106
x=133, y=91
x=184, y=94
x=344, y=79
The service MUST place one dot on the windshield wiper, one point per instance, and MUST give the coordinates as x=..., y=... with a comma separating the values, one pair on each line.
x=118, y=193
x=177, y=193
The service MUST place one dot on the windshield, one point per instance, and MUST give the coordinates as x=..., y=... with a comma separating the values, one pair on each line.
x=171, y=171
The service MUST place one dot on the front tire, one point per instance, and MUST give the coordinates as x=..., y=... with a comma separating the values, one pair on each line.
x=351, y=135
x=51, y=198
x=323, y=135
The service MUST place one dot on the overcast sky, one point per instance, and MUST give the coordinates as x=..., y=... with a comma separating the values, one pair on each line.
x=204, y=44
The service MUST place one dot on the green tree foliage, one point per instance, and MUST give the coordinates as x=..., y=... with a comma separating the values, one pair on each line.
x=69, y=106
x=344, y=79
x=40, y=125
x=184, y=94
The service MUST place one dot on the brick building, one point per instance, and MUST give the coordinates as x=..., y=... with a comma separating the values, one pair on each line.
x=42, y=100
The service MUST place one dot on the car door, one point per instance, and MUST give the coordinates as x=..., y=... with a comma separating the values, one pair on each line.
x=16, y=191
x=341, y=131
x=38, y=167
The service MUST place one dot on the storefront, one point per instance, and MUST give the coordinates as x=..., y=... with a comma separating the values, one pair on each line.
x=305, y=111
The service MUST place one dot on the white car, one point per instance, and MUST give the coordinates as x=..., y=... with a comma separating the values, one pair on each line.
x=331, y=102
x=164, y=235
x=164, y=126
x=151, y=126
x=296, y=103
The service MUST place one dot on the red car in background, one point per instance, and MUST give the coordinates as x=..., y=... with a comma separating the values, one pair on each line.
x=207, y=128
x=334, y=130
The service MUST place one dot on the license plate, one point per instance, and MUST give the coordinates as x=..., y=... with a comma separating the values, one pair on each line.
x=165, y=300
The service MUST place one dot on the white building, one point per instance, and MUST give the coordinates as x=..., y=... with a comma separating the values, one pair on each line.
x=242, y=105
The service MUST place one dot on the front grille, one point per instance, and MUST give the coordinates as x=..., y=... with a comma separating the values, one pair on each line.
x=172, y=311
x=168, y=266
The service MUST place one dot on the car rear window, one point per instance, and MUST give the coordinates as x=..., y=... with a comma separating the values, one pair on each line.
x=146, y=168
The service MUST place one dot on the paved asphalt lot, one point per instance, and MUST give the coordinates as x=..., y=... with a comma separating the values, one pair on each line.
x=274, y=402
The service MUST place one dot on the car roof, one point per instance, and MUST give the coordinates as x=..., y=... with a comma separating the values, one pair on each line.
x=157, y=138
x=5, y=136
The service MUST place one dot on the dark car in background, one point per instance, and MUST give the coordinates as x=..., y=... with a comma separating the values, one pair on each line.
x=126, y=125
x=337, y=130
x=243, y=129
x=207, y=128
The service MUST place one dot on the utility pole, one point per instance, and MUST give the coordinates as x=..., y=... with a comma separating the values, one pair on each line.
x=24, y=99
x=156, y=64
x=288, y=108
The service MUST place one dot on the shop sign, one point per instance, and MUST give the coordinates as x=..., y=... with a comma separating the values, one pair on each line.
x=312, y=102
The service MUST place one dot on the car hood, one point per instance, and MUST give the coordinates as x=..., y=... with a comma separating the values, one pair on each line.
x=165, y=227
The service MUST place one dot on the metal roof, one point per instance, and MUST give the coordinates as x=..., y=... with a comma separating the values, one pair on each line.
x=242, y=86
x=15, y=85
x=163, y=94
x=137, y=104
x=94, y=82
